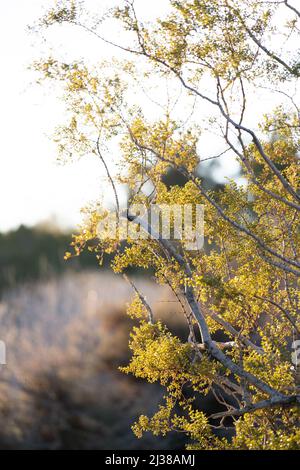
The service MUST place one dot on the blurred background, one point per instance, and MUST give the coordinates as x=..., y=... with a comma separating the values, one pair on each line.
x=66, y=332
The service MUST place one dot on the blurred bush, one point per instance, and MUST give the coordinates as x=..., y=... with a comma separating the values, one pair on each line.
x=32, y=253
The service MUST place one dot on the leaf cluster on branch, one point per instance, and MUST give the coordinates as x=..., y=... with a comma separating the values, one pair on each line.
x=245, y=282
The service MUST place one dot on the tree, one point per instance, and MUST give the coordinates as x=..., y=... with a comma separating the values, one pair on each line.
x=221, y=53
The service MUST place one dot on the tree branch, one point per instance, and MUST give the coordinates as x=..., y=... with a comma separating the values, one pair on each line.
x=142, y=299
x=228, y=327
x=210, y=345
x=292, y=8
x=235, y=224
x=271, y=403
x=108, y=175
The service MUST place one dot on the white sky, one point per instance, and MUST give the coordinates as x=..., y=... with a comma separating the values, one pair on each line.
x=33, y=187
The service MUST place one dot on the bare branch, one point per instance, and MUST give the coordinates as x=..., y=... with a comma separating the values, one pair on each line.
x=142, y=299
x=228, y=327
x=227, y=346
x=270, y=54
x=235, y=224
x=292, y=8
x=283, y=310
x=108, y=175
x=290, y=400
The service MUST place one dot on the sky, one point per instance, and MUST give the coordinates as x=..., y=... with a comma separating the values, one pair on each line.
x=34, y=188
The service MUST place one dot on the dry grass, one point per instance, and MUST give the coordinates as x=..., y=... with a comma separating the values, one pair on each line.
x=61, y=388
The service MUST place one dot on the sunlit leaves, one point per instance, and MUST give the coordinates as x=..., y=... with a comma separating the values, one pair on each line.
x=235, y=278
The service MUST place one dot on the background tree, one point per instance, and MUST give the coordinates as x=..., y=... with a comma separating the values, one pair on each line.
x=220, y=53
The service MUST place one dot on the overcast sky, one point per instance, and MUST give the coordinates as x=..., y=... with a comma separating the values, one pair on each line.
x=33, y=187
